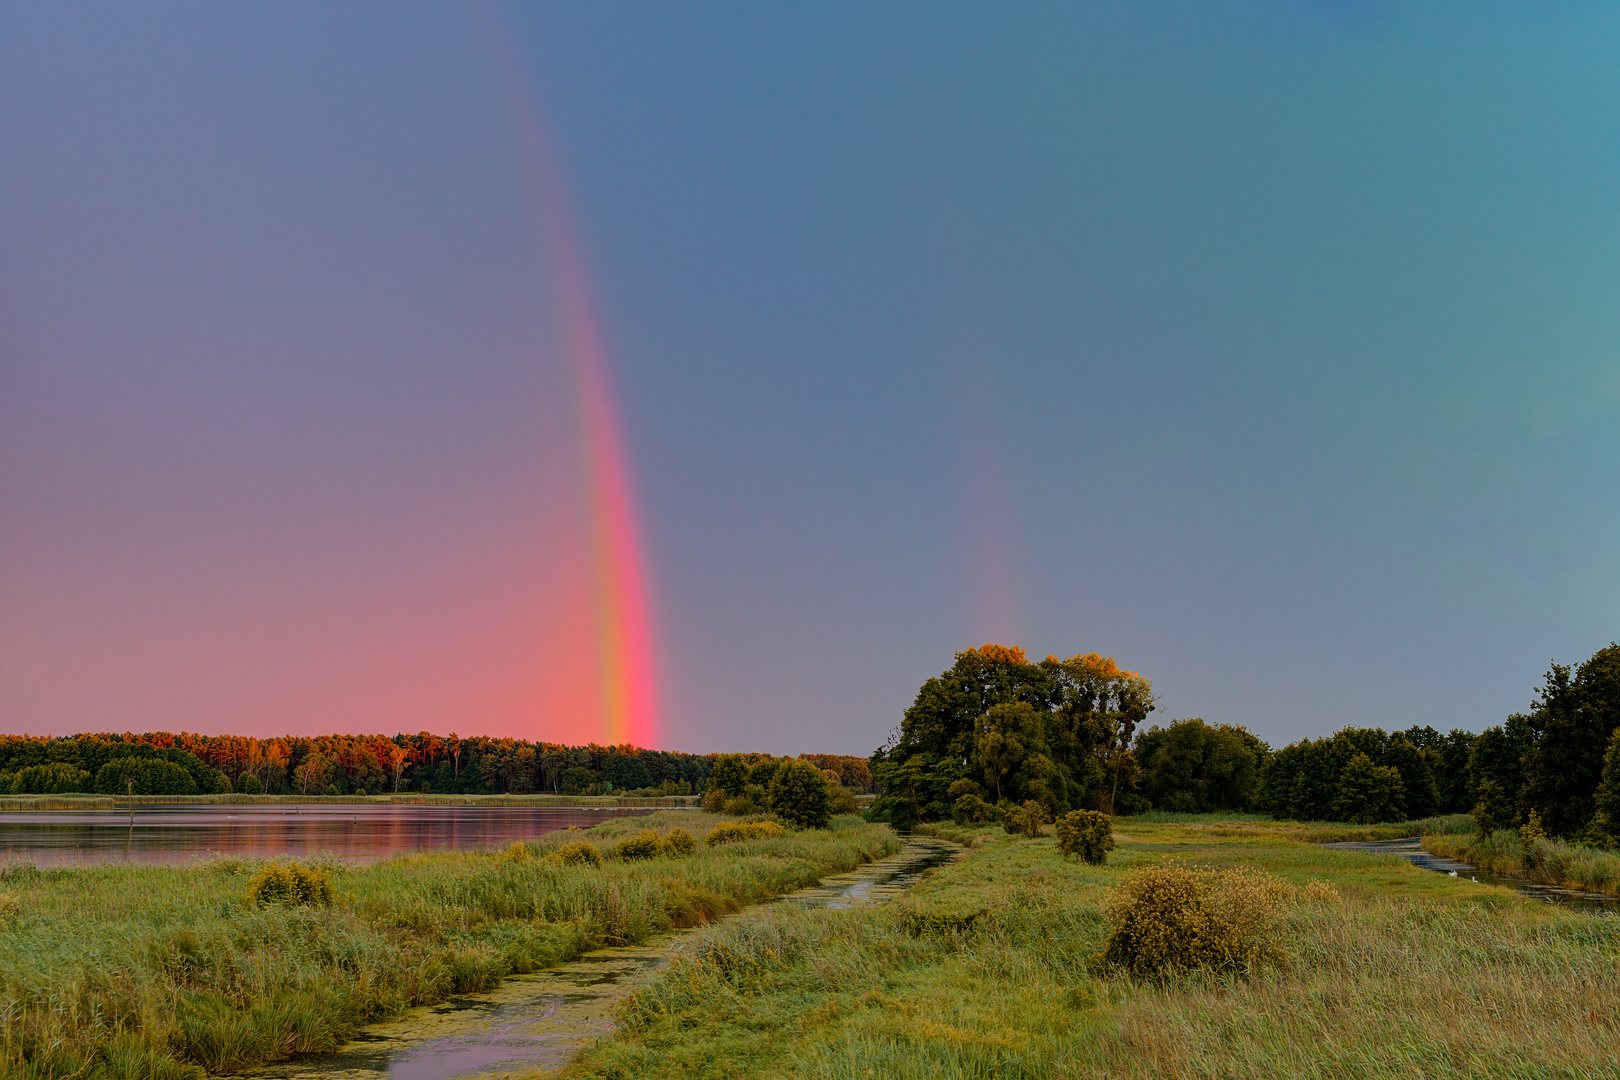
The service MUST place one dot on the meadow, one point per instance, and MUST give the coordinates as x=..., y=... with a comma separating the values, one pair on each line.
x=992, y=967
x=167, y=972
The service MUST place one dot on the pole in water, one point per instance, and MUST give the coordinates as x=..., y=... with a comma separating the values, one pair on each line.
x=129, y=781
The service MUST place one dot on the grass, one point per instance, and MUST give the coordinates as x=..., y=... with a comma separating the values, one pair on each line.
x=1238, y=825
x=991, y=967
x=164, y=972
x=1548, y=862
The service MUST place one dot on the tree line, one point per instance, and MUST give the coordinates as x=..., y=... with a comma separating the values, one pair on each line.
x=997, y=730
x=164, y=763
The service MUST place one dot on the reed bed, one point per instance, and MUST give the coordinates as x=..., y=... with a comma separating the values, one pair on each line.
x=168, y=972
x=1546, y=861
x=993, y=967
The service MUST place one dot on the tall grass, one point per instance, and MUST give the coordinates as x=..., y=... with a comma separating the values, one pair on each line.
x=1315, y=832
x=165, y=972
x=1406, y=974
x=1547, y=861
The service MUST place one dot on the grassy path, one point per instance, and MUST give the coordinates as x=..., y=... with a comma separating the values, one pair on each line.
x=988, y=969
x=164, y=972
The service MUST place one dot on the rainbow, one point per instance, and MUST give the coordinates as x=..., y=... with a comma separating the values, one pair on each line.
x=621, y=605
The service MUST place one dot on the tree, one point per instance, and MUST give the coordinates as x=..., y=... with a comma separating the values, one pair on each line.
x=1576, y=715
x=1451, y=775
x=1497, y=759
x=1417, y=781
x=729, y=774
x=1008, y=733
x=799, y=796
x=312, y=773
x=1369, y=792
x=1605, y=826
x=1194, y=767
x=397, y=757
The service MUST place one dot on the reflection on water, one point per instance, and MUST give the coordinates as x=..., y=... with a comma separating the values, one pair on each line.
x=1411, y=849
x=176, y=834
x=537, y=1023
x=877, y=881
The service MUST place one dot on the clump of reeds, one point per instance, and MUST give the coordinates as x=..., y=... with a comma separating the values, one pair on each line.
x=291, y=884
x=518, y=852
x=728, y=832
x=578, y=853
x=643, y=845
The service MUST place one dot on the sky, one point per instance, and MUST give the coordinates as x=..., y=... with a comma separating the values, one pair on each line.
x=706, y=376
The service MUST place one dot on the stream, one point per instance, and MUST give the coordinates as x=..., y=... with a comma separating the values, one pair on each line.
x=540, y=1021
x=1411, y=849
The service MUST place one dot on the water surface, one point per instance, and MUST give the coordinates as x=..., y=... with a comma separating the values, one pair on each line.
x=167, y=834
x=1411, y=849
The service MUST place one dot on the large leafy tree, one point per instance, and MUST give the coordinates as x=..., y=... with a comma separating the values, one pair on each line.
x=799, y=795
x=1576, y=715
x=1369, y=792
x=1057, y=731
x=1195, y=767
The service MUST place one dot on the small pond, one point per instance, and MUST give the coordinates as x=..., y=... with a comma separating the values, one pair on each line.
x=1411, y=849
x=170, y=834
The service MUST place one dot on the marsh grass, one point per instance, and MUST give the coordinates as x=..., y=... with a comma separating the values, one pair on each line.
x=163, y=972
x=1384, y=970
x=1545, y=861
x=1311, y=832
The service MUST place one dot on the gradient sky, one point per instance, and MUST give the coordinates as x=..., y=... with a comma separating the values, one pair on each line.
x=1271, y=348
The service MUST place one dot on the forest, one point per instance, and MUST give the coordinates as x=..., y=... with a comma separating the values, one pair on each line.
x=163, y=763
x=997, y=730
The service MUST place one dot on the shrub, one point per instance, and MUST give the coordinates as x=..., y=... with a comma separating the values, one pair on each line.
x=840, y=800
x=517, y=853
x=10, y=907
x=969, y=809
x=1086, y=833
x=332, y=789
x=578, y=853
x=643, y=845
x=250, y=785
x=1530, y=832
x=1026, y=819
x=680, y=841
x=715, y=801
x=963, y=787
x=1173, y=918
x=799, y=796
x=731, y=831
x=291, y=884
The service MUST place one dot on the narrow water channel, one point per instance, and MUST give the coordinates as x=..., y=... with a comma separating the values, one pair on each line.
x=539, y=1022
x=1411, y=849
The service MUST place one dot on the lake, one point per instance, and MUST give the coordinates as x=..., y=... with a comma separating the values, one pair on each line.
x=354, y=832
